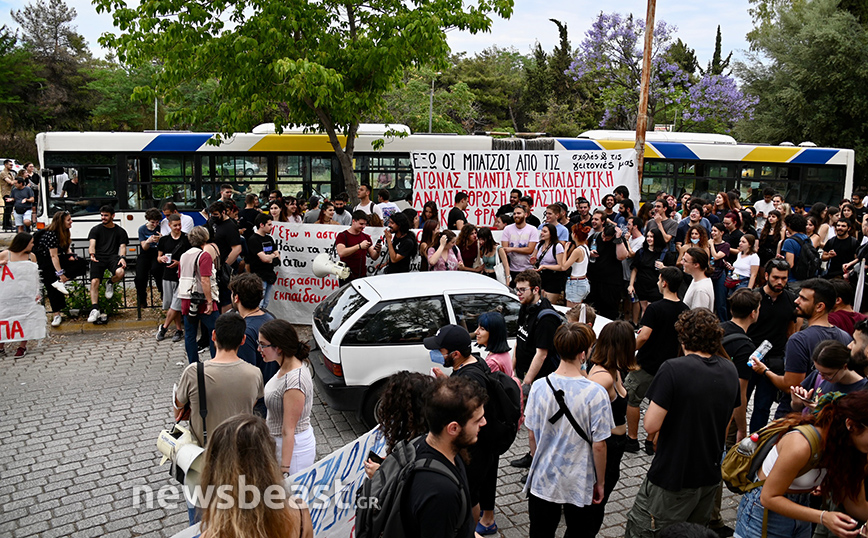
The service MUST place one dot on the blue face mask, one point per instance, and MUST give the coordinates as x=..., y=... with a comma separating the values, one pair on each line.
x=695, y=241
x=436, y=356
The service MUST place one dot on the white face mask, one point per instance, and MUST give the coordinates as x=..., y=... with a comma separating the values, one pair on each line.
x=694, y=240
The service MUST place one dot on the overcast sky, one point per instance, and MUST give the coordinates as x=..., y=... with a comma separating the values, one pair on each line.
x=696, y=21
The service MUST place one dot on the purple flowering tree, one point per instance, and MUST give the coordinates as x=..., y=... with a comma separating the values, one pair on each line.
x=610, y=58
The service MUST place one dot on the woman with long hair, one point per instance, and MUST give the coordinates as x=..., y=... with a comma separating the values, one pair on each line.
x=240, y=448
x=326, y=214
x=832, y=373
x=57, y=263
x=20, y=250
x=491, y=334
x=468, y=246
x=614, y=355
x=278, y=211
x=576, y=262
x=446, y=256
x=644, y=267
x=718, y=277
x=821, y=213
x=293, y=211
x=429, y=212
x=780, y=508
x=770, y=236
x=834, y=213
x=429, y=230
x=849, y=212
x=722, y=205
x=696, y=236
x=549, y=258
x=811, y=230
x=746, y=265
x=490, y=251
x=288, y=395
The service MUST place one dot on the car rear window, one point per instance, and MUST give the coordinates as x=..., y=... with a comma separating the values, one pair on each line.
x=407, y=321
x=337, y=308
x=469, y=306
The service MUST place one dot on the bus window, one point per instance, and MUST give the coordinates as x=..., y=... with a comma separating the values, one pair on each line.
x=321, y=176
x=87, y=189
x=390, y=172
x=290, y=175
x=245, y=173
x=171, y=180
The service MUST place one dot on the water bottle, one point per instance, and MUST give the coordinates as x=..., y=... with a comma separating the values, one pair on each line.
x=748, y=445
x=593, y=249
x=633, y=297
x=759, y=353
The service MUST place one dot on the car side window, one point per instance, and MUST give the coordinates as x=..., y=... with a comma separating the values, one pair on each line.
x=406, y=321
x=468, y=307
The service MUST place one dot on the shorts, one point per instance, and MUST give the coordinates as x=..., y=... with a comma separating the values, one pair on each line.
x=98, y=269
x=637, y=383
x=170, y=295
x=21, y=217
x=577, y=291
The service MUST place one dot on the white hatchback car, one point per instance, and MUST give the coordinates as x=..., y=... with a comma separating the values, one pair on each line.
x=372, y=328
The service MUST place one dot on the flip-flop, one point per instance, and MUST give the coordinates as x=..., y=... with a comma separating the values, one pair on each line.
x=482, y=530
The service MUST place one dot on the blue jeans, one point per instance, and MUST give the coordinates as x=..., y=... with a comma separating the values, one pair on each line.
x=749, y=522
x=766, y=394
x=266, y=294
x=720, y=297
x=191, y=324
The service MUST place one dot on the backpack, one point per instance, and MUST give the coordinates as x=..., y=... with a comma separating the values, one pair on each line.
x=735, y=338
x=808, y=263
x=739, y=471
x=379, y=499
x=502, y=412
x=551, y=312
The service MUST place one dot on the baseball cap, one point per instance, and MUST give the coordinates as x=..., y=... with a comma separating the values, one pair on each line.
x=451, y=338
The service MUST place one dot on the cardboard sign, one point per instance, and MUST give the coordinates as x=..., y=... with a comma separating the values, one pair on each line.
x=547, y=176
x=22, y=317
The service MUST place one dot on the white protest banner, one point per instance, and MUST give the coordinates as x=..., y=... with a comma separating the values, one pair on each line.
x=21, y=316
x=547, y=176
x=329, y=487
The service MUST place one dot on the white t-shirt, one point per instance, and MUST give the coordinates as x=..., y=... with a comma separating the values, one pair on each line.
x=700, y=294
x=386, y=210
x=186, y=225
x=635, y=244
x=60, y=180
x=513, y=237
x=369, y=208
x=742, y=264
x=765, y=209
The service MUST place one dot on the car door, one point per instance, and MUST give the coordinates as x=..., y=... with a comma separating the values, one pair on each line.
x=388, y=339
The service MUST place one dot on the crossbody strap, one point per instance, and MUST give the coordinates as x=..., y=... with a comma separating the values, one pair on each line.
x=203, y=404
x=565, y=411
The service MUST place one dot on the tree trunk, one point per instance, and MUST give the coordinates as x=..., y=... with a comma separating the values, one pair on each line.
x=351, y=186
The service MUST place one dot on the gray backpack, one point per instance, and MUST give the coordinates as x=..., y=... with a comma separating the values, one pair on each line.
x=379, y=499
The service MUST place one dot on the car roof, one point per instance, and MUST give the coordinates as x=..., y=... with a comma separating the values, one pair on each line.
x=426, y=284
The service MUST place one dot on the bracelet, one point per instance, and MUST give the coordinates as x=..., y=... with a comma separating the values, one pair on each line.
x=821, y=517
x=59, y=273
x=766, y=371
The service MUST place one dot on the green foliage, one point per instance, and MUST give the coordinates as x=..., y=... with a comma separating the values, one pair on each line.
x=116, y=108
x=812, y=86
x=560, y=119
x=537, y=82
x=293, y=62
x=717, y=65
x=410, y=104
x=79, y=298
x=684, y=57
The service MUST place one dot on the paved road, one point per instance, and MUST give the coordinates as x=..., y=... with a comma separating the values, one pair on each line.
x=80, y=415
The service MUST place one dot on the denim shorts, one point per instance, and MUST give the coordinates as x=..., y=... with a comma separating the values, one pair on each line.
x=577, y=290
x=749, y=523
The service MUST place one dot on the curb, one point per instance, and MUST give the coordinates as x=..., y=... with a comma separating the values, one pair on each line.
x=83, y=327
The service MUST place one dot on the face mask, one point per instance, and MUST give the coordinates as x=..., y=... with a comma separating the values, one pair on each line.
x=694, y=240
x=340, y=210
x=436, y=356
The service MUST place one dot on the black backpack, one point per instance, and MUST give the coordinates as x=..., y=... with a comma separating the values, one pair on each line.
x=502, y=412
x=808, y=262
x=379, y=499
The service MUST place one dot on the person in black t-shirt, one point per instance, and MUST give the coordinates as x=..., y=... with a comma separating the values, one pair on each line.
x=400, y=245
x=506, y=209
x=692, y=399
x=263, y=256
x=247, y=216
x=224, y=234
x=530, y=218
x=745, y=307
x=607, y=276
x=840, y=249
x=657, y=342
x=107, y=248
x=169, y=250
x=438, y=506
x=72, y=188
x=457, y=216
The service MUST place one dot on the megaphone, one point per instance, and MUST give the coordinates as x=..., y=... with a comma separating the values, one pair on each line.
x=170, y=441
x=323, y=266
x=189, y=459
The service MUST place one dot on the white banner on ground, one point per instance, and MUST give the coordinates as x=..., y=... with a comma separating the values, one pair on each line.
x=329, y=486
x=547, y=176
x=21, y=316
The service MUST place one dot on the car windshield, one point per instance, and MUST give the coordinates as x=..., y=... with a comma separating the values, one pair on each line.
x=331, y=313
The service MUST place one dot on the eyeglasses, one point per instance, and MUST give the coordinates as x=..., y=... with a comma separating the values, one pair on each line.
x=522, y=290
x=265, y=346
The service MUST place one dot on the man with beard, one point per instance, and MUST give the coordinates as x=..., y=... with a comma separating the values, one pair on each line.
x=437, y=506
x=519, y=241
x=343, y=216
x=400, y=243
x=582, y=215
x=815, y=300
x=506, y=209
x=859, y=348
x=453, y=343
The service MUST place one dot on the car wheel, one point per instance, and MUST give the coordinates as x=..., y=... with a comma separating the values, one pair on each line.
x=248, y=172
x=369, y=413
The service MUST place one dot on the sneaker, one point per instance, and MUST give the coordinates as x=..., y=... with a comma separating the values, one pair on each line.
x=203, y=349
x=57, y=320
x=20, y=352
x=109, y=290
x=178, y=336
x=522, y=462
x=649, y=447
x=59, y=286
x=523, y=478
x=161, y=333
x=631, y=445
x=94, y=315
